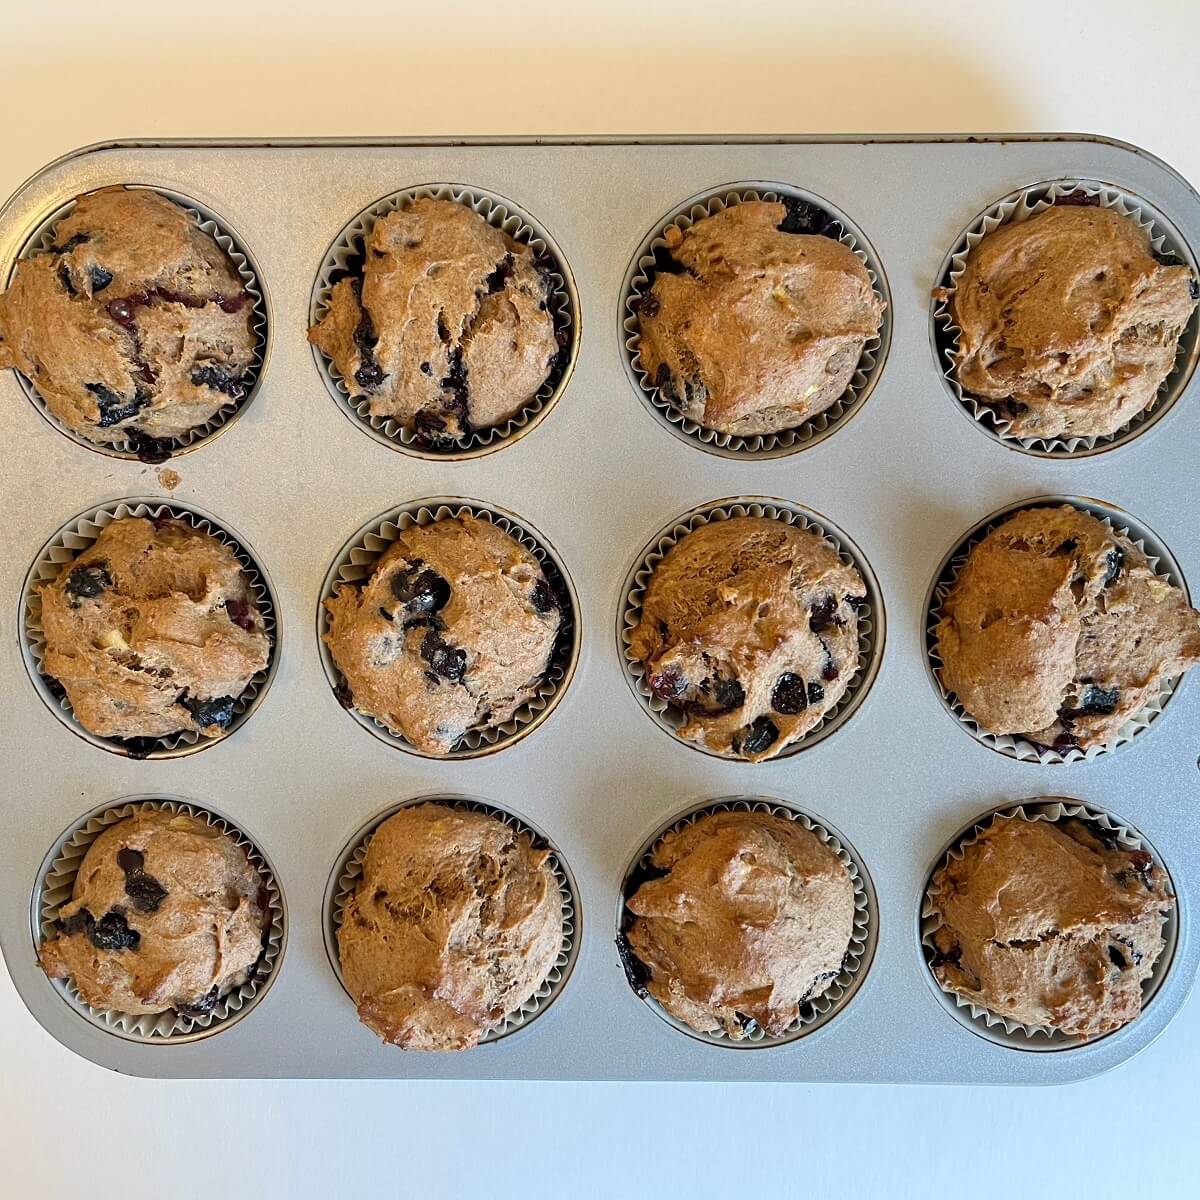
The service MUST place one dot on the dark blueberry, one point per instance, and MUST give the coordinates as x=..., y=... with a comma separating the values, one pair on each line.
x=1065, y=741
x=804, y=217
x=636, y=971
x=823, y=614
x=217, y=378
x=856, y=602
x=66, y=247
x=151, y=450
x=100, y=278
x=343, y=695
x=542, y=598
x=789, y=696
x=209, y=712
x=1096, y=702
x=139, y=747
x=199, y=1007
x=667, y=685
x=455, y=383
x=757, y=737
x=144, y=891
x=80, y=922
x=1067, y=547
x=829, y=669
x=1116, y=564
x=64, y=277
x=729, y=694
x=447, y=661
x=1079, y=198
x=121, y=311
x=1117, y=959
x=420, y=589
x=421, y=620
x=816, y=693
x=112, y=932
x=497, y=278
x=240, y=613
x=369, y=376
x=665, y=383
x=1194, y=289
x=85, y=582
x=648, y=305
x=426, y=369
x=130, y=860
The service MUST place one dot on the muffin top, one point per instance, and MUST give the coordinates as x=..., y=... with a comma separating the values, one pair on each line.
x=456, y=923
x=152, y=630
x=750, y=918
x=1050, y=923
x=757, y=329
x=448, y=326
x=454, y=631
x=1069, y=324
x=1057, y=629
x=134, y=325
x=750, y=626
x=166, y=912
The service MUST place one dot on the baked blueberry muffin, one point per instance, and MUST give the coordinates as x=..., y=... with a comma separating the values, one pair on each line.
x=752, y=324
x=747, y=917
x=1057, y=629
x=154, y=629
x=447, y=327
x=1068, y=323
x=456, y=923
x=134, y=325
x=454, y=631
x=166, y=912
x=1053, y=924
x=749, y=627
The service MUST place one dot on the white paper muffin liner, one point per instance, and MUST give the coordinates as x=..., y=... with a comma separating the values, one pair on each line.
x=640, y=276
x=871, y=618
x=198, y=435
x=347, y=872
x=356, y=561
x=1003, y=1030
x=563, y=302
x=64, y=547
x=1013, y=745
x=1166, y=242
x=855, y=964
x=57, y=879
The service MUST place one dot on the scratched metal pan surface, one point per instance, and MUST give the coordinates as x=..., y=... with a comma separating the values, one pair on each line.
x=597, y=477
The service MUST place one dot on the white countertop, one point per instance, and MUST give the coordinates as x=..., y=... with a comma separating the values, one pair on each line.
x=81, y=72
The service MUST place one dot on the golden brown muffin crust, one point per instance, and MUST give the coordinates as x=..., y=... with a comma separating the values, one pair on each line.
x=1050, y=924
x=152, y=630
x=134, y=323
x=1068, y=321
x=166, y=912
x=750, y=625
x=454, y=631
x=456, y=923
x=448, y=329
x=752, y=918
x=762, y=329
x=1057, y=629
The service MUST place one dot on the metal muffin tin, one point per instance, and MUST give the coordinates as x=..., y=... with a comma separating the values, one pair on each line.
x=598, y=476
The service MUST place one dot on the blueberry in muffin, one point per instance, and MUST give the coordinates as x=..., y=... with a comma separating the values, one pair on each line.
x=446, y=327
x=756, y=318
x=749, y=628
x=134, y=325
x=454, y=631
x=152, y=630
x=456, y=923
x=745, y=918
x=1058, y=629
x=1052, y=924
x=1068, y=323
x=166, y=912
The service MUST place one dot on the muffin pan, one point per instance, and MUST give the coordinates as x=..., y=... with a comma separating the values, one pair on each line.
x=598, y=475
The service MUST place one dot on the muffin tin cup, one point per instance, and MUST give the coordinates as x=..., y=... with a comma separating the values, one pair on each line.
x=347, y=872
x=55, y=882
x=353, y=566
x=62, y=549
x=859, y=954
x=199, y=435
x=500, y=213
x=1014, y=745
x=1166, y=242
x=639, y=277
x=983, y=1021
x=871, y=617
